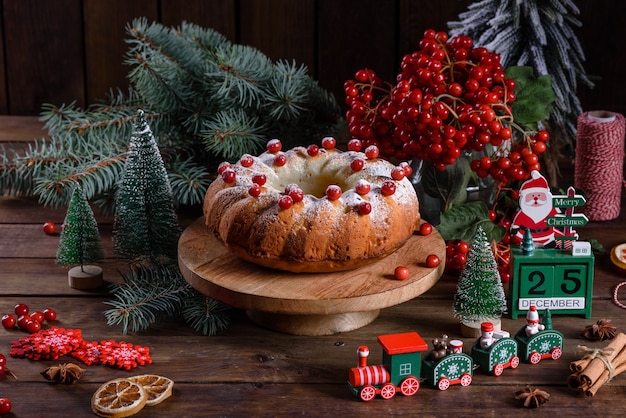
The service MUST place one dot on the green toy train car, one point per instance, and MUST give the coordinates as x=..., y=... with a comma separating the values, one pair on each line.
x=453, y=369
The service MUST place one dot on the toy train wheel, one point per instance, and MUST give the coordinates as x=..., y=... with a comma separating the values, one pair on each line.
x=443, y=384
x=556, y=353
x=367, y=393
x=535, y=357
x=388, y=391
x=409, y=386
x=498, y=369
x=514, y=362
x=466, y=379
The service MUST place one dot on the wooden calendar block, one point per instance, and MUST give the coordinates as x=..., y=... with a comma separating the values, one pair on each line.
x=551, y=279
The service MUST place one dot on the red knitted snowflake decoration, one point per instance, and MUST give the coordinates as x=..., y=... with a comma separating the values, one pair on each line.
x=88, y=353
x=113, y=353
x=47, y=344
x=50, y=344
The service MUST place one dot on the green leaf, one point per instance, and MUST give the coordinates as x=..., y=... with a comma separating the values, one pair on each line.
x=462, y=222
x=534, y=96
x=449, y=185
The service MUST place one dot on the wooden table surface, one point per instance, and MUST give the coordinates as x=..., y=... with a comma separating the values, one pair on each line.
x=250, y=371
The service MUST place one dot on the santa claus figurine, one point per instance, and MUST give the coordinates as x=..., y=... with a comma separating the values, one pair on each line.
x=532, y=322
x=535, y=201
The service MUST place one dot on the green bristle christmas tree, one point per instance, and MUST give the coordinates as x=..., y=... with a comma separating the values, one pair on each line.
x=146, y=232
x=145, y=223
x=207, y=100
x=539, y=34
x=479, y=295
x=80, y=243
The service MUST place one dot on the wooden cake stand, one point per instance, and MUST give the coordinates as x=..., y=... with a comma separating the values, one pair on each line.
x=307, y=303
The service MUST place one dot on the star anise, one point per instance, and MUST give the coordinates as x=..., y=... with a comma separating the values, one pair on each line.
x=602, y=330
x=532, y=398
x=63, y=373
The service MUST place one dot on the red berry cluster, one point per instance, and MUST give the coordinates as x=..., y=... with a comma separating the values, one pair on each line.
x=26, y=321
x=456, y=254
x=449, y=97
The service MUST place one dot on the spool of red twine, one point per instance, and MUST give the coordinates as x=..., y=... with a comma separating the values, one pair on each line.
x=599, y=164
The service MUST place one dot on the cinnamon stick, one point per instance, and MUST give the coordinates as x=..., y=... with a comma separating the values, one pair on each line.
x=597, y=366
x=619, y=364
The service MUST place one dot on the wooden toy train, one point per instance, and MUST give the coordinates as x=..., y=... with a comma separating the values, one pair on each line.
x=403, y=368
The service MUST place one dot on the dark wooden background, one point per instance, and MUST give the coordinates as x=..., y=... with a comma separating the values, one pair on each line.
x=60, y=51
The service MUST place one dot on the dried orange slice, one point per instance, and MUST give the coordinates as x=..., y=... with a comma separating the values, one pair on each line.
x=158, y=388
x=118, y=398
x=618, y=256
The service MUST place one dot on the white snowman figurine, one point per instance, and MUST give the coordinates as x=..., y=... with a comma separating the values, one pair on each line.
x=532, y=320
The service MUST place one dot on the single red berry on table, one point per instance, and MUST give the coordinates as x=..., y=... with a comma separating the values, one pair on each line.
x=33, y=326
x=21, y=309
x=49, y=228
x=426, y=228
x=50, y=314
x=3, y=360
x=37, y=316
x=23, y=321
x=5, y=405
x=493, y=215
x=432, y=261
x=9, y=321
x=401, y=273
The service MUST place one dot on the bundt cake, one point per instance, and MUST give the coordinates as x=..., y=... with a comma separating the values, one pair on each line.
x=313, y=209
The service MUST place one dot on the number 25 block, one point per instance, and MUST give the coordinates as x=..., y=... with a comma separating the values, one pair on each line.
x=551, y=279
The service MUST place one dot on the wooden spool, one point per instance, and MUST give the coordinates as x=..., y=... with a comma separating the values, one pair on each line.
x=307, y=303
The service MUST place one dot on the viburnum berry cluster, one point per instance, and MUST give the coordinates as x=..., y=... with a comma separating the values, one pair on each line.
x=449, y=98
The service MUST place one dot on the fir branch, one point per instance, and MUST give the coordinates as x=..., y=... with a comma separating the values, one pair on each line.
x=205, y=315
x=147, y=296
x=241, y=73
x=232, y=133
x=288, y=92
x=55, y=184
x=189, y=182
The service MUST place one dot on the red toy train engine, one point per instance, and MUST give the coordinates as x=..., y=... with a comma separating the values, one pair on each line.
x=400, y=370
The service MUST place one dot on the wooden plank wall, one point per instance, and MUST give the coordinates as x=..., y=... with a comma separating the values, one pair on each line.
x=61, y=51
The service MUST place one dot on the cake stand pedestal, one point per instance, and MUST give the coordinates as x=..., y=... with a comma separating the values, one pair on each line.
x=307, y=303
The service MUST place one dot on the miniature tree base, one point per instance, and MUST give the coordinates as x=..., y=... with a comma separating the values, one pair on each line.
x=471, y=329
x=89, y=277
